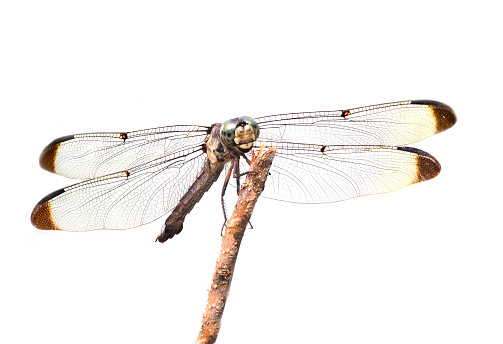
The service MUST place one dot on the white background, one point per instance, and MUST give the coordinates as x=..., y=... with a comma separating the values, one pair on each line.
x=421, y=265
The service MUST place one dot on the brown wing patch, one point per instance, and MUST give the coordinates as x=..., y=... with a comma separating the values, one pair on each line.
x=427, y=166
x=48, y=156
x=41, y=216
x=444, y=115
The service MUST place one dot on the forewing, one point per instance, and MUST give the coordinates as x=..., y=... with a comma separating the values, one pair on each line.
x=390, y=124
x=84, y=156
x=121, y=200
x=318, y=174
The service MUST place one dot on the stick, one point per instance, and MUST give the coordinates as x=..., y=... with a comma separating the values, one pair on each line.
x=234, y=231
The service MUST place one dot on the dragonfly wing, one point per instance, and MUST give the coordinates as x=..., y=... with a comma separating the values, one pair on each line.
x=121, y=200
x=84, y=156
x=390, y=124
x=321, y=174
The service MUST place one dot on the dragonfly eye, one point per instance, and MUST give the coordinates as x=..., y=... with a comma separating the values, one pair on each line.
x=240, y=132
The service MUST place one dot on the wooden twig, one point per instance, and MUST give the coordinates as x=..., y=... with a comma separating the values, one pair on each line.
x=234, y=231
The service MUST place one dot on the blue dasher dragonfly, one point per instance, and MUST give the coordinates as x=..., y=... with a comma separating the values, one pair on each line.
x=134, y=178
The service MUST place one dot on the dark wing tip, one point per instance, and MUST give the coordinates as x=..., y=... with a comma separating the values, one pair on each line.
x=48, y=156
x=443, y=113
x=427, y=166
x=41, y=216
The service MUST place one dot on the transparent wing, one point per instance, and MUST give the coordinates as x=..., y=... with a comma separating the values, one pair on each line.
x=84, y=156
x=303, y=173
x=121, y=200
x=390, y=124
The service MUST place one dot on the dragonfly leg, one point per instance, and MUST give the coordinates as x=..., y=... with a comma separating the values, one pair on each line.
x=253, y=157
x=246, y=158
x=224, y=188
x=249, y=163
x=237, y=175
x=234, y=167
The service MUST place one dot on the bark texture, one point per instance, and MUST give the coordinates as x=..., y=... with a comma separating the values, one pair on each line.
x=234, y=231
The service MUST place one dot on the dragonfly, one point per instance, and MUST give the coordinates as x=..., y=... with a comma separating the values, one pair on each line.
x=134, y=178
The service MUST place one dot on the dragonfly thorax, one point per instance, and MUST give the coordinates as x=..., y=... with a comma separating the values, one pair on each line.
x=239, y=132
x=216, y=151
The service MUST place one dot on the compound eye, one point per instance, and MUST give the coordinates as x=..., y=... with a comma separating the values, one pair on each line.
x=227, y=132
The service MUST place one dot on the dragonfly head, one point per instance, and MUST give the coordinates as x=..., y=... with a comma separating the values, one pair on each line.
x=240, y=132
